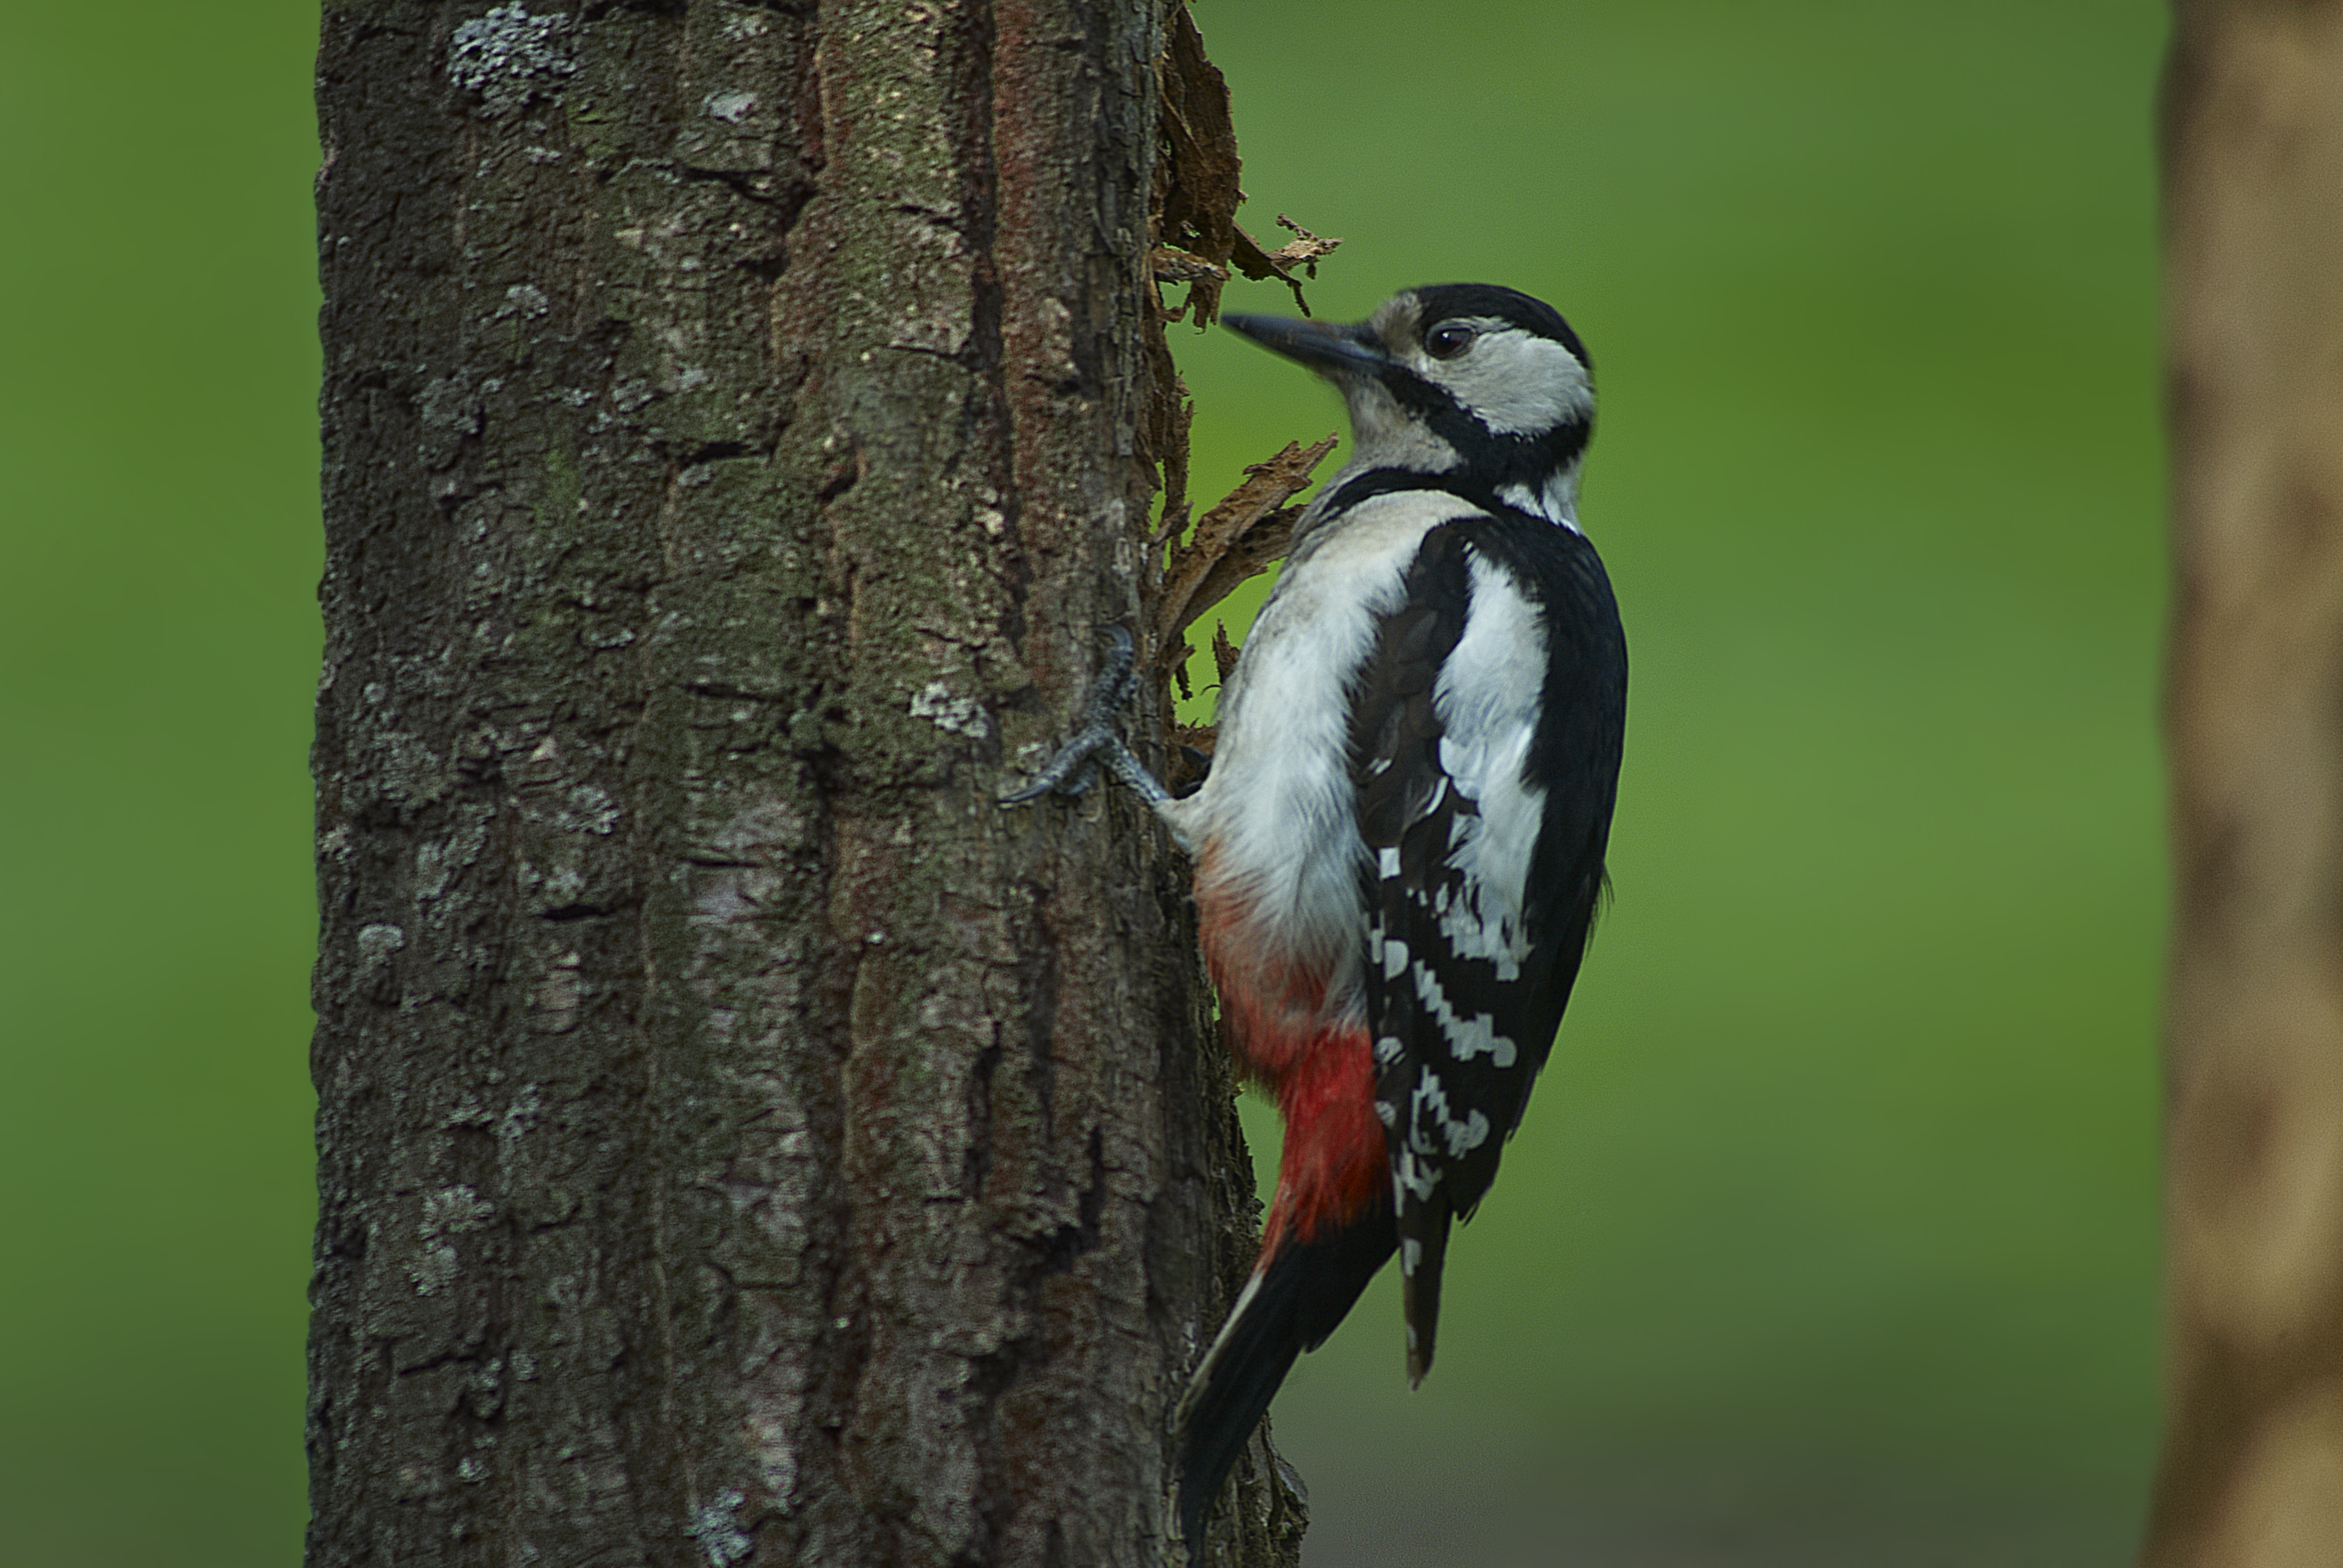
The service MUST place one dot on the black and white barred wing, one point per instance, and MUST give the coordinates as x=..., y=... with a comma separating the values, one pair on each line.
x=1443, y=721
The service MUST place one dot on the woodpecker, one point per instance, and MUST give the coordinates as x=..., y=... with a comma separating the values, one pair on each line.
x=1399, y=846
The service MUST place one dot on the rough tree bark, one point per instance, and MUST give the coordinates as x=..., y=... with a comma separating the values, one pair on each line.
x=2252, y=1473
x=740, y=1143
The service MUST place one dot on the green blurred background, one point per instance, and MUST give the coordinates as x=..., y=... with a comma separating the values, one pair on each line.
x=1831, y=1238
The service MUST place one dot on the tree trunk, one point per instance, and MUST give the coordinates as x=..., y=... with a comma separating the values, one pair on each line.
x=740, y=1142
x=2252, y=1474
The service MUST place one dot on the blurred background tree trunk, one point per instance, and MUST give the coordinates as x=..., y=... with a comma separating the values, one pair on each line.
x=740, y=1141
x=2252, y=1473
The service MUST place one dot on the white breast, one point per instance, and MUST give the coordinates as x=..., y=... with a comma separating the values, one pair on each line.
x=1277, y=809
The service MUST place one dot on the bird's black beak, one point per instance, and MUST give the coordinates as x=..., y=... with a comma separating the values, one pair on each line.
x=1327, y=349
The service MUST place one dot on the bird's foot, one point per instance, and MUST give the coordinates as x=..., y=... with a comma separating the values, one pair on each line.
x=1076, y=764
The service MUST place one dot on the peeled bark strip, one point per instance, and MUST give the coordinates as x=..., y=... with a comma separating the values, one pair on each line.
x=740, y=1141
x=2252, y=1474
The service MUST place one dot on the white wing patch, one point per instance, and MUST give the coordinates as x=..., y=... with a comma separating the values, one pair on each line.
x=1487, y=702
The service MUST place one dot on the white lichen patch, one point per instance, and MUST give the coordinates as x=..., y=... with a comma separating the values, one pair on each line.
x=449, y=1211
x=509, y=56
x=522, y=1114
x=730, y=107
x=447, y=404
x=960, y=715
x=552, y=886
x=718, y=1530
x=432, y=1270
x=376, y=943
x=438, y=862
x=591, y=811
x=453, y=1209
x=525, y=300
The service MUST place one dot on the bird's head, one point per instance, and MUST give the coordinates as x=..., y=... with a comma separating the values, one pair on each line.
x=1466, y=379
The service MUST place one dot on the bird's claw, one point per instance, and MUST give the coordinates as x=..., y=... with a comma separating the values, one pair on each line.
x=1075, y=767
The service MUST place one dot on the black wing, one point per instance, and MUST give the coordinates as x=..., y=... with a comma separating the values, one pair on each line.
x=1467, y=975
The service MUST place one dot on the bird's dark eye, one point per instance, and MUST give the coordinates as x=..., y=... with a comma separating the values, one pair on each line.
x=1447, y=340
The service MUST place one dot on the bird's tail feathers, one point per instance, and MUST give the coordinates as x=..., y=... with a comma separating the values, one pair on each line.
x=1294, y=1299
x=1423, y=1250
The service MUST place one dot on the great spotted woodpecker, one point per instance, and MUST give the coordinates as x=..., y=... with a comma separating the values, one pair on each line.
x=1399, y=846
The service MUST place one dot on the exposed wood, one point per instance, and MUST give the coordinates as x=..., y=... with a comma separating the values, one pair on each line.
x=1243, y=535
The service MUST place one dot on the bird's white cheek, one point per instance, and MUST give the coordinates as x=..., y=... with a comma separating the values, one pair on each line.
x=1522, y=386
